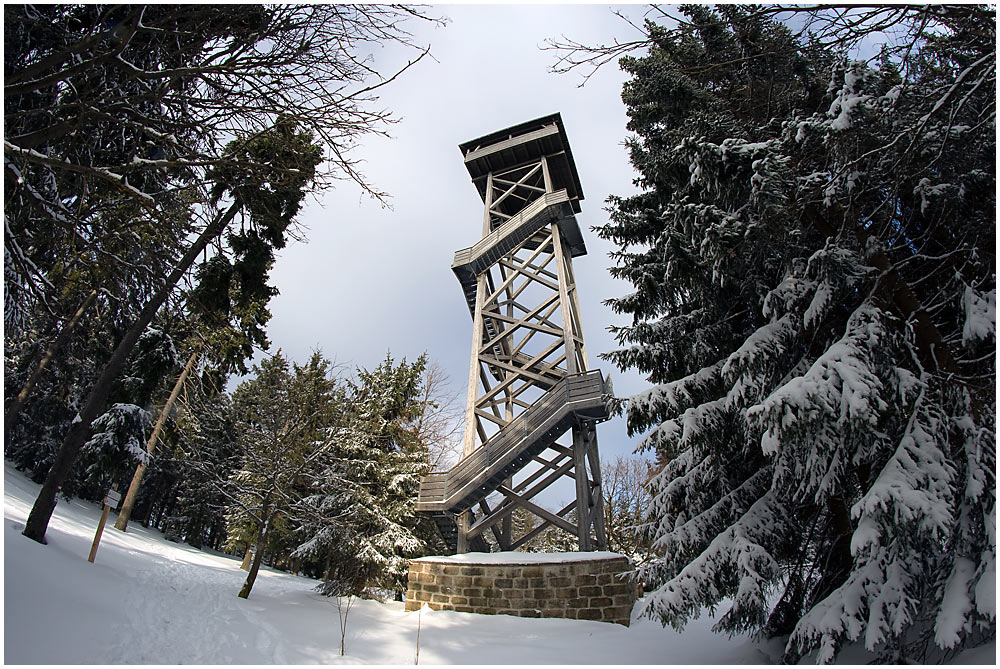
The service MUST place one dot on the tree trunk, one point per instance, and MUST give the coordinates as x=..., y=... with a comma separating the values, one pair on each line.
x=838, y=559
x=258, y=556
x=140, y=470
x=13, y=410
x=76, y=436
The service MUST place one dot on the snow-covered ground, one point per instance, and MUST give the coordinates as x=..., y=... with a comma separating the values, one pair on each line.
x=150, y=601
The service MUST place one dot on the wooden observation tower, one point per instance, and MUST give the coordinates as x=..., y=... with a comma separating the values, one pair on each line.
x=533, y=404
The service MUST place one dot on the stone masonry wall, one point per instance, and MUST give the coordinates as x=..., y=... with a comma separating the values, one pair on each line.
x=578, y=589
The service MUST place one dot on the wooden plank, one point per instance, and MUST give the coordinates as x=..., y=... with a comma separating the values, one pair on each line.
x=482, y=152
x=469, y=441
x=433, y=489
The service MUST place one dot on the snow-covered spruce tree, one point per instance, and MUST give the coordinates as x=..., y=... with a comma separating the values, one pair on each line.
x=280, y=417
x=359, y=519
x=812, y=253
x=118, y=441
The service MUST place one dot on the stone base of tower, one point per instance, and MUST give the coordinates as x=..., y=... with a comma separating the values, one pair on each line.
x=580, y=586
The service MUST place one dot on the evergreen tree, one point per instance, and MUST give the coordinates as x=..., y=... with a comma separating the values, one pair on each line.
x=280, y=416
x=814, y=301
x=359, y=519
x=206, y=456
x=268, y=190
x=110, y=214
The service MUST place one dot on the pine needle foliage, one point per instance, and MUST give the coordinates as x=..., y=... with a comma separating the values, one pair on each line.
x=813, y=271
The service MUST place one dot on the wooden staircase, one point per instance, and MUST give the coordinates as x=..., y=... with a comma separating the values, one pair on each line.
x=577, y=398
x=549, y=208
x=470, y=262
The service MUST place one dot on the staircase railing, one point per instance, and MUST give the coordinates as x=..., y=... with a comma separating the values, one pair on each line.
x=576, y=396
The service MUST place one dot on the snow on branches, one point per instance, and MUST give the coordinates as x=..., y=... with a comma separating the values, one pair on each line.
x=814, y=301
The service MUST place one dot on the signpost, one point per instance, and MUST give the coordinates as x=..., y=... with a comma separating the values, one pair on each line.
x=110, y=502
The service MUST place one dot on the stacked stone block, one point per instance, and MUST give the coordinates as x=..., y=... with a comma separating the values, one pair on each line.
x=596, y=589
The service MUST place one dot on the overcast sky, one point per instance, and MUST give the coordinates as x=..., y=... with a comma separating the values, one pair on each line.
x=371, y=280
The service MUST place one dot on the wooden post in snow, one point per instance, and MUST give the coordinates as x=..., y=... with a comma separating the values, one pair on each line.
x=140, y=470
x=112, y=498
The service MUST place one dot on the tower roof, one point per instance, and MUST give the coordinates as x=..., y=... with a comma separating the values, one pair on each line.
x=523, y=143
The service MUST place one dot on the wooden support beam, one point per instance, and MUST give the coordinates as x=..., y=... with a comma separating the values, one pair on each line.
x=527, y=186
x=577, y=316
x=550, y=280
x=507, y=382
x=491, y=520
x=539, y=511
x=515, y=271
x=538, y=530
x=490, y=417
x=488, y=196
x=583, y=500
x=519, y=322
x=549, y=478
x=597, y=491
x=546, y=175
x=519, y=371
x=510, y=190
x=503, y=542
x=507, y=527
x=548, y=465
x=572, y=364
x=469, y=442
x=507, y=508
x=462, y=523
x=515, y=324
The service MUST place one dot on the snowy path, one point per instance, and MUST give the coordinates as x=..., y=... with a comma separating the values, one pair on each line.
x=149, y=601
